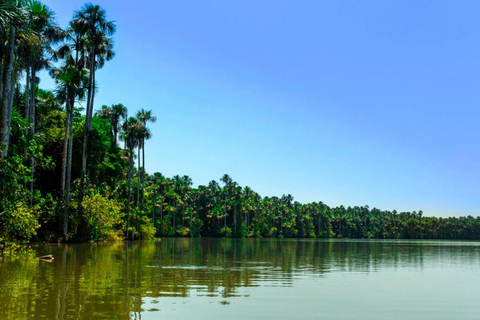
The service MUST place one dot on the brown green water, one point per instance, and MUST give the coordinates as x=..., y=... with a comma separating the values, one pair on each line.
x=246, y=279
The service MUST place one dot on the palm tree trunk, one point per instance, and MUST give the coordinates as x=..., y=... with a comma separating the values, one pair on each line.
x=174, y=212
x=161, y=216
x=65, y=152
x=191, y=230
x=138, y=178
x=225, y=213
x=130, y=170
x=27, y=94
x=2, y=69
x=92, y=96
x=115, y=133
x=154, y=210
x=88, y=119
x=235, y=220
x=143, y=170
x=32, y=133
x=85, y=141
x=6, y=114
x=65, y=145
x=183, y=215
x=69, y=171
x=10, y=105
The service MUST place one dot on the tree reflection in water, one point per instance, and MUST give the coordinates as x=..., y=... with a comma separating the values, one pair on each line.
x=113, y=280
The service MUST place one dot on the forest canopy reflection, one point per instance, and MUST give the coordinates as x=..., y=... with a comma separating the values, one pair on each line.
x=111, y=279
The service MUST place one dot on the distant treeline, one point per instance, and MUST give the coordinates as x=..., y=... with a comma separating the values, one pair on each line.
x=66, y=175
x=234, y=211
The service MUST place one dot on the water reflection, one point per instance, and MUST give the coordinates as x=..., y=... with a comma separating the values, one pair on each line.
x=126, y=280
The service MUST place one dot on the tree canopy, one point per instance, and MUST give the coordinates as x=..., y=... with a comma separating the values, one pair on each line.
x=78, y=175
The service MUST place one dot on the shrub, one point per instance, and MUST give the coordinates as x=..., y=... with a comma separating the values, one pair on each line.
x=103, y=217
x=18, y=223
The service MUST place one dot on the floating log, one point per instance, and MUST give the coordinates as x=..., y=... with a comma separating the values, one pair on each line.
x=48, y=257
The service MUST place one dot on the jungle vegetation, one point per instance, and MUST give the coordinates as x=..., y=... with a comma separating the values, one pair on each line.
x=74, y=174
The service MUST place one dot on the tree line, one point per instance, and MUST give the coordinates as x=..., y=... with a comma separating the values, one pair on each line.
x=75, y=174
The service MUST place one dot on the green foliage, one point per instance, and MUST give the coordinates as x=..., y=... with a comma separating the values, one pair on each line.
x=14, y=251
x=141, y=226
x=226, y=232
x=103, y=216
x=122, y=200
x=18, y=220
x=233, y=211
x=19, y=223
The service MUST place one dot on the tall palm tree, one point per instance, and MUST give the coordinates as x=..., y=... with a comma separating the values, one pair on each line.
x=11, y=18
x=72, y=81
x=118, y=111
x=71, y=78
x=76, y=46
x=130, y=134
x=92, y=22
x=71, y=84
x=41, y=21
x=144, y=134
x=7, y=96
x=144, y=117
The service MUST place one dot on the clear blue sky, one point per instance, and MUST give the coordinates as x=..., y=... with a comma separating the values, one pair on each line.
x=346, y=102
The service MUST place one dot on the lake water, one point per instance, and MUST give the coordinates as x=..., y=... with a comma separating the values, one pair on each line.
x=246, y=279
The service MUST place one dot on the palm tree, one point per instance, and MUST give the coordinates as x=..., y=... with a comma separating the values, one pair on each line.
x=11, y=17
x=144, y=117
x=71, y=77
x=92, y=22
x=144, y=134
x=130, y=134
x=10, y=13
x=41, y=21
x=117, y=111
x=113, y=114
x=75, y=46
x=7, y=97
x=71, y=84
x=72, y=81
x=104, y=113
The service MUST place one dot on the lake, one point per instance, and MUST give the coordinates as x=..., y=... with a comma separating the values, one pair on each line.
x=246, y=279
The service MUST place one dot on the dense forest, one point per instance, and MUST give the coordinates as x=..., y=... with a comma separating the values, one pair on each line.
x=72, y=172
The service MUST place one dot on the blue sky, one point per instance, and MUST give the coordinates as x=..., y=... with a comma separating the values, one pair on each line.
x=346, y=102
